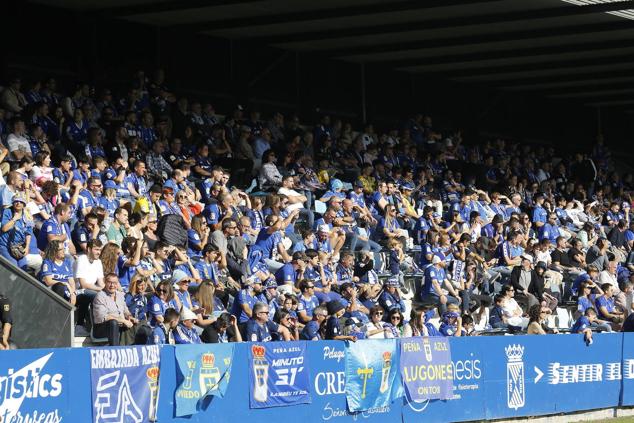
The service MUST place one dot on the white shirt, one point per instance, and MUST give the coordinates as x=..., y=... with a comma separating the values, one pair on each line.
x=88, y=271
x=18, y=143
x=291, y=193
x=607, y=277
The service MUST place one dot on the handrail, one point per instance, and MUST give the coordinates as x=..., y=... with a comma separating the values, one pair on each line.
x=42, y=319
x=37, y=284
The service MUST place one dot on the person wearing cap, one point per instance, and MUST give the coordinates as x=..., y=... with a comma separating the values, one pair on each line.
x=451, y=324
x=333, y=329
x=390, y=298
x=185, y=333
x=246, y=299
x=17, y=242
x=168, y=203
x=260, y=329
x=181, y=281
x=434, y=281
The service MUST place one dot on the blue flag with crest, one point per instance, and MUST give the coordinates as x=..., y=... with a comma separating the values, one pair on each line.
x=373, y=378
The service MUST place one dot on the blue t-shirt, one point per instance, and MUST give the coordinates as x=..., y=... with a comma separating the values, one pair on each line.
x=286, y=274
x=267, y=243
x=61, y=272
x=307, y=305
x=52, y=227
x=184, y=335
x=18, y=233
x=432, y=273
x=540, y=215
x=608, y=303
x=310, y=332
x=256, y=333
x=580, y=325
x=137, y=305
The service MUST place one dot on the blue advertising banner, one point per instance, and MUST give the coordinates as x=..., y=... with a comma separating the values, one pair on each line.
x=204, y=370
x=372, y=374
x=125, y=384
x=34, y=385
x=554, y=374
x=627, y=396
x=468, y=358
x=279, y=374
x=426, y=368
x=493, y=377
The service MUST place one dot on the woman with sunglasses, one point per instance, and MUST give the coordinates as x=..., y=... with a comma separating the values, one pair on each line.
x=395, y=318
x=162, y=299
x=197, y=235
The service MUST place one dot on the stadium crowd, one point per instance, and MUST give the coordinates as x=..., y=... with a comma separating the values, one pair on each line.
x=164, y=222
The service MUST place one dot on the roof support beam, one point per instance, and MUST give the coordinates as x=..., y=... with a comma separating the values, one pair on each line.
x=322, y=14
x=417, y=25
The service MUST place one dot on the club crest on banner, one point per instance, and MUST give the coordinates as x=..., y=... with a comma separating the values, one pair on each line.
x=260, y=373
x=515, y=389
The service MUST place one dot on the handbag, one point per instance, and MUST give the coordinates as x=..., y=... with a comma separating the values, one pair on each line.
x=17, y=250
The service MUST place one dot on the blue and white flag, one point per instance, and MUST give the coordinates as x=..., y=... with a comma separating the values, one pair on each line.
x=372, y=374
x=205, y=371
x=278, y=374
x=125, y=383
x=426, y=368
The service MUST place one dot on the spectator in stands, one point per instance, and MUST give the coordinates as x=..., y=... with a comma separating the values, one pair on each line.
x=57, y=273
x=435, y=282
x=89, y=277
x=333, y=330
x=224, y=329
x=163, y=333
x=185, y=332
x=260, y=329
x=584, y=325
x=312, y=331
x=606, y=308
x=17, y=241
x=6, y=322
x=111, y=317
x=420, y=323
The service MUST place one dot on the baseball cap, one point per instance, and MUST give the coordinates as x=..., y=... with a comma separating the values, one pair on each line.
x=19, y=197
x=109, y=184
x=324, y=228
x=187, y=314
x=178, y=276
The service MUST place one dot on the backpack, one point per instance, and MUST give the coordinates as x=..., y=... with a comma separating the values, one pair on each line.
x=172, y=230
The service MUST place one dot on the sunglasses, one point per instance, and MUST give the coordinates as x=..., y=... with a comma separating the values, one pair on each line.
x=395, y=318
x=161, y=291
x=378, y=313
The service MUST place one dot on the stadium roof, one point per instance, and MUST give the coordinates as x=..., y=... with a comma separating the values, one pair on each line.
x=579, y=50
